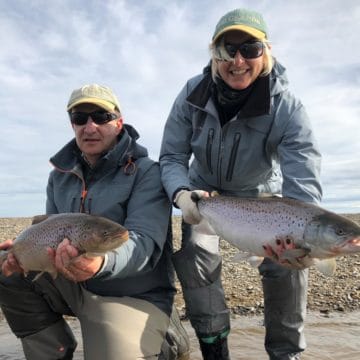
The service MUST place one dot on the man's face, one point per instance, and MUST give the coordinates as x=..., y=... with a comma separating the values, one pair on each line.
x=241, y=72
x=94, y=139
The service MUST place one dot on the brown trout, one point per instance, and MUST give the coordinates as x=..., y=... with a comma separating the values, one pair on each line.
x=90, y=234
x=280, y=228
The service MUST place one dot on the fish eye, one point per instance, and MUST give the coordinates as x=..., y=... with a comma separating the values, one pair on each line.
x=340, y=232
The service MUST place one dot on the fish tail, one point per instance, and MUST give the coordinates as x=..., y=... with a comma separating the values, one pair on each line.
x=3, y=256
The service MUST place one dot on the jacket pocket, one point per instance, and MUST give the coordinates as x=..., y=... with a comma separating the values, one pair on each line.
x=233, y=155
x=209, y=144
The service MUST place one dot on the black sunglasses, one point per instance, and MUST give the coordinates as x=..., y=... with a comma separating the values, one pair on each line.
x=98, y=117
x=248, y=50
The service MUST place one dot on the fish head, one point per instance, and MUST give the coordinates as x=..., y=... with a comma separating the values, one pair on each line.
x=100, y=235
x=329, y=234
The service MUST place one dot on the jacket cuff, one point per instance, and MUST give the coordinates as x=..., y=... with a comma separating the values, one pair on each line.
x=103, y=266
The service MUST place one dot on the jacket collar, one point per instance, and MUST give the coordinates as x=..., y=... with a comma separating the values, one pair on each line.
x=69, y=156
x=257, y=104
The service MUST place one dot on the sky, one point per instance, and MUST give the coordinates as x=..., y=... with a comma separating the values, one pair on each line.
x=146, y=51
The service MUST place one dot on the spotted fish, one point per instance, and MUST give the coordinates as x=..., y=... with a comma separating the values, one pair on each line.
x=283, y=229
x=90, y=234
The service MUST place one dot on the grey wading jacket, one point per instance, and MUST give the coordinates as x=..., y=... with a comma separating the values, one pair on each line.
x=124, y=186
x=268, y=147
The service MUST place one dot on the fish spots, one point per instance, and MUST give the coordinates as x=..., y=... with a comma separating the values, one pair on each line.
x=288, y=231
x=86, y=232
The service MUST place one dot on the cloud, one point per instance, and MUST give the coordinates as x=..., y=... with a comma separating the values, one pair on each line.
x=146, y=51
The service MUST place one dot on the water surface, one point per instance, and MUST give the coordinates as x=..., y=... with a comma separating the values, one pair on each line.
x=335, y=336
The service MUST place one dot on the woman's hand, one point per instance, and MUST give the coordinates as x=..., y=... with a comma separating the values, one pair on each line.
x=188, y=207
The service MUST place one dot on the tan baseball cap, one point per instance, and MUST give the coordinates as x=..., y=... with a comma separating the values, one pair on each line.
x=95, y=94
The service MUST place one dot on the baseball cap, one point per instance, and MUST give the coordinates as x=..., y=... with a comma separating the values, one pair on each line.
x=248, y=21
x=95, y=94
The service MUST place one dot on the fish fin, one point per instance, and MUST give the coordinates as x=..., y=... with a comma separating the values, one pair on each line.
x=253, y=260
x=327, y=266
x=53, y=274
x=240, y=256
x=39, y=218
x=3, y=256
x=91, y=254
x=298, y=258
x=37, y=276
x=294, y=253
x=203, y=227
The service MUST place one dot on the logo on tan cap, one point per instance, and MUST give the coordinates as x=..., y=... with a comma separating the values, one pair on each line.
x=248, y=21
x=95, y=94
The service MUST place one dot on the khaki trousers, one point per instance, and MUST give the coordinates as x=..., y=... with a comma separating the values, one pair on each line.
x=121, y=328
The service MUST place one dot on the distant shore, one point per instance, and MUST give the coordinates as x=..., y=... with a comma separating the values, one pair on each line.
x=242, y=285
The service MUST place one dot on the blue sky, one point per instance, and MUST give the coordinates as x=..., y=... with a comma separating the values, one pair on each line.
x=145, y=51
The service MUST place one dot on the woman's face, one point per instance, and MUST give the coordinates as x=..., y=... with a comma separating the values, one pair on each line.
x=240, y=73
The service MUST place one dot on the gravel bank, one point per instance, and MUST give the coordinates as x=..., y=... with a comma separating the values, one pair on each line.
x=242, y=284
x=340, y=293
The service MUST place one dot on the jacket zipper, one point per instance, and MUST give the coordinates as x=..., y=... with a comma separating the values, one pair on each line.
x=82, y=199
x=209, y=145
x=234, y=150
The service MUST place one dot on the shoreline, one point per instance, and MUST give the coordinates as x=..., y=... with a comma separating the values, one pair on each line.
x=242, y=284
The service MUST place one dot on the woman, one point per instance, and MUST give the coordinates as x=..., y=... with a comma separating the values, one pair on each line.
x=249, y=137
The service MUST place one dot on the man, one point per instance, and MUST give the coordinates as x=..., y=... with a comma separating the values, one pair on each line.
x=123, y=300
x=248, y=136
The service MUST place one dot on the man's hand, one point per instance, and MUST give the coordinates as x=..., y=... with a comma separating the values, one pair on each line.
x=188, y=207
x=10, y=265
x=74, y=267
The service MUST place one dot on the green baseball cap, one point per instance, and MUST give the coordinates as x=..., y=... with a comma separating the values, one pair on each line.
x=248, y=21
x=99, y=95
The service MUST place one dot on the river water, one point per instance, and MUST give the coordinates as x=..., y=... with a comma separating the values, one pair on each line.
x=330, y=337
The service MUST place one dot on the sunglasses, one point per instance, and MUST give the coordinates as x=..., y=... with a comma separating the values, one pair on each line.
x=248, y=50
x=98, y=117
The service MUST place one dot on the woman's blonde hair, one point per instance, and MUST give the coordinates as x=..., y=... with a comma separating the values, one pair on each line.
x=216, y=49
